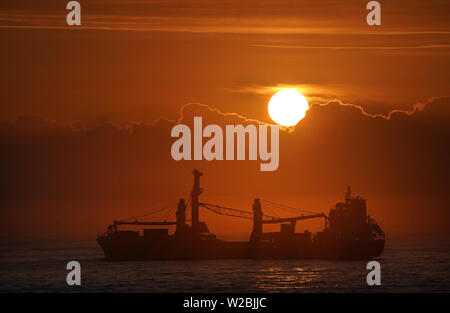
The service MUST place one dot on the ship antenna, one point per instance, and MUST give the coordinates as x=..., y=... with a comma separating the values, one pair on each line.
x=348, y=194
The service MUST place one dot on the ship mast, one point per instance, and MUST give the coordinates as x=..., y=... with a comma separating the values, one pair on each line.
x=348, y=194
x=196, y=191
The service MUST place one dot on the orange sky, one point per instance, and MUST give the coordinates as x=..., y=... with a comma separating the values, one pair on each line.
x=141, y=60
x=138, y=61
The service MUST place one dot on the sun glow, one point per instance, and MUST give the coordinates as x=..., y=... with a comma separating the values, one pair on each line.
x=287, y=107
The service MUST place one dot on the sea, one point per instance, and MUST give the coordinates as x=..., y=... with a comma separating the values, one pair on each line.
x=407, y=265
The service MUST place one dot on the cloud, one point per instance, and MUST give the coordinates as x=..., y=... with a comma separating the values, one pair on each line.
x=249, y=17
x=441, y=46
x=416, y=107
x=214, y=110
x=318, y=95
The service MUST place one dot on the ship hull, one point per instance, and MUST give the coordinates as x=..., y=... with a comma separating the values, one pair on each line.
x=140, y=249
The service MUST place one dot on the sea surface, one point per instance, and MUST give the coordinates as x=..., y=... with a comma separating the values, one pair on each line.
x=407, y=265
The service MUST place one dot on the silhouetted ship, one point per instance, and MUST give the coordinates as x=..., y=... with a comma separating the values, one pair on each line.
x=349, y=234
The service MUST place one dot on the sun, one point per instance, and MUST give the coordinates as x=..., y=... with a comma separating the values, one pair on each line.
x=287, y=107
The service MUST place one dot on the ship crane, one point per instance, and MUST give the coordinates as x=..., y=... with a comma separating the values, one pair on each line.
x=294, y=219
x=259, y=218
x=230, y=211
x=198, y=227
x=249, y=215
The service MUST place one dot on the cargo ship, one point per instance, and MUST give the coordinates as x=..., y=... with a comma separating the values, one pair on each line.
x=348, y=234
